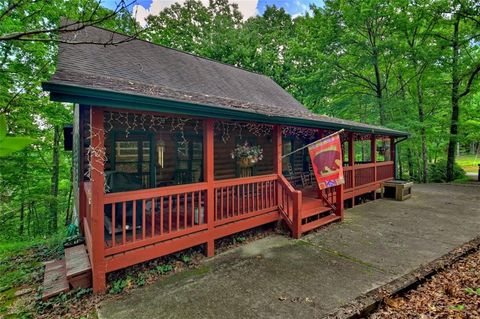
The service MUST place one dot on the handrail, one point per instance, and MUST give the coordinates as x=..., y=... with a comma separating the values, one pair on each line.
x=286, y=184
x=244, y=180
x=154, y=192
x=291, y=214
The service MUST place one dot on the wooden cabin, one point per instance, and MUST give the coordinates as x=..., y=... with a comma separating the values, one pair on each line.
x=153, y=137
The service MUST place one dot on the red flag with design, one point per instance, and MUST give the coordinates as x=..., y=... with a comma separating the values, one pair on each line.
x=326, y=156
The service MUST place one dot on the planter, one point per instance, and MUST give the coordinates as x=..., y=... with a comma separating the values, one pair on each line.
x=246, y=162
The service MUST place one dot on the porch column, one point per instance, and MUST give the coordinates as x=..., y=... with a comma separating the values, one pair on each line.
x=373, y=148
x=351, y=161
x=277, y=149
x=393, y=156
x=97, y=254
x=351, y=149
x=373, y=155
x=208, y=173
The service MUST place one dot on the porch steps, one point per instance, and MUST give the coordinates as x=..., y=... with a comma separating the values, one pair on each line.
x=314, y=211
x=74, y=271
x=319, y=222
x=55, y=279
x=79, y=271
x=313, y=208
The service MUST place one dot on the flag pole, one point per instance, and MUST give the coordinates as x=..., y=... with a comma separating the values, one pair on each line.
x=305, y=146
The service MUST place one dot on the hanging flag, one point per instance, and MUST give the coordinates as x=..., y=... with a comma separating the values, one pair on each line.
x=326, y=156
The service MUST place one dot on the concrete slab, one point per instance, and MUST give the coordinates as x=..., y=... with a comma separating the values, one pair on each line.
x=278, y=277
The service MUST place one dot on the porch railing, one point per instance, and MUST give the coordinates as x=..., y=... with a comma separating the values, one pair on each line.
x=240, y=198
x=145, y=217
x=139, y=218
x=366, y=174
x=289, y=204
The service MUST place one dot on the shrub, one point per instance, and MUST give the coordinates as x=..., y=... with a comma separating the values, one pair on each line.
x=437, y=172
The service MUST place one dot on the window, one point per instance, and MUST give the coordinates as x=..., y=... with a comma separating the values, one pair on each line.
x=132, y=162
x=189, y=160
x=287, y=162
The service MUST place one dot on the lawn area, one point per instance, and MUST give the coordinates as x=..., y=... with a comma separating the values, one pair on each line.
x=469, y=163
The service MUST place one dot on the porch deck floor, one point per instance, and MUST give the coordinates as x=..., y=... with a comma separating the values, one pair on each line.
x=279, y=277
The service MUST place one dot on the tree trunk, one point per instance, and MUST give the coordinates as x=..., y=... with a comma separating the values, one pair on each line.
x=455, y=100
x=68, y=218
x=423, y=135
x=410, y=163
x=22, y=218
x=54, y=184
x=378, y=87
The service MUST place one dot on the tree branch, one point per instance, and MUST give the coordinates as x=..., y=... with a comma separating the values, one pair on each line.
x=472, y=78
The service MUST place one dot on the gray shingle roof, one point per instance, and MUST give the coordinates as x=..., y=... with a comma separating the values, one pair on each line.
x=144, y=68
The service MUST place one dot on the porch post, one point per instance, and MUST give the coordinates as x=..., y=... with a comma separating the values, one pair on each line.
x=351, y=161
x=393, y=155
x=373, y=148
x=208, y=155
x=351, y=149
x=98, y=191
x=277, y=149
x=373, y=153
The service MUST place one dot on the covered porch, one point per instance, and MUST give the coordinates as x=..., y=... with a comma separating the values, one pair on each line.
x=152, y=184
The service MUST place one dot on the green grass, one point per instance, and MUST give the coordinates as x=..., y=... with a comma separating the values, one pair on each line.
x=469, y=163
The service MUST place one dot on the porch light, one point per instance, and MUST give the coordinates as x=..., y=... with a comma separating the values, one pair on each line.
x=160, y=152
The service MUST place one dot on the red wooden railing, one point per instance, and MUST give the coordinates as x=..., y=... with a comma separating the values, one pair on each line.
x=240, y=198
x=348, y=175
x=289, y=204
x=138, y=218
x=86, y=215
x=364, y=174
x=384, y=170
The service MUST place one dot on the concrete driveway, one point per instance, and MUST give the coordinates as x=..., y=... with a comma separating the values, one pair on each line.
x=278, y=277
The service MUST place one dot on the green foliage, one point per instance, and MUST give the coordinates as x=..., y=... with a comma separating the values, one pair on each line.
x=438, y=172
x=9, y=144
x=30, y=205
x=118, y=286
x=164, y=269
x=458, y=307
x=472, y=291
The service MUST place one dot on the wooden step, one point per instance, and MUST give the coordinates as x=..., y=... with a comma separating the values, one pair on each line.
x=78, y=268
x=314, y=211
x=55, y=279
x=319, y=222
x=308, y=202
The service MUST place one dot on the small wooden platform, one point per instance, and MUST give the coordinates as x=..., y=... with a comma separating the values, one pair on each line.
x=78, y=269
x=55, y=280
x=74, y=271
x=400, y=190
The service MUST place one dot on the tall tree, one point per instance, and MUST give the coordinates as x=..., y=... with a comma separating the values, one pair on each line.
x=459, y=33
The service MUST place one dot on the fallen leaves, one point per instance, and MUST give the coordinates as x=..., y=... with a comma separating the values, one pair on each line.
x=452, y=293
